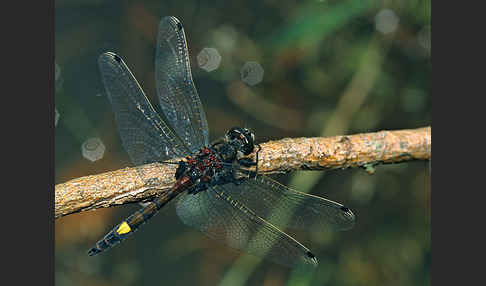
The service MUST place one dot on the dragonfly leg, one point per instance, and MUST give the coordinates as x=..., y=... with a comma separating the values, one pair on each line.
x=246, y=162
x=180, y=169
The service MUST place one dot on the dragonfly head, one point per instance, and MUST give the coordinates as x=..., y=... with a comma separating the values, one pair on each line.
x=242, y=138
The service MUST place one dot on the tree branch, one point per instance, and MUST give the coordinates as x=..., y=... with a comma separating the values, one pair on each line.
x=366, y=150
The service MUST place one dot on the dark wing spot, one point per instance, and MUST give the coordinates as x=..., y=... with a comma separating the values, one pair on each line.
x=117, y=58
x=179, y=26
x=310, y=255
x=344, y=209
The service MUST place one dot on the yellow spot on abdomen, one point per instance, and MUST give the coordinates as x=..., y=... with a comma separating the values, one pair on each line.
x=123, y=228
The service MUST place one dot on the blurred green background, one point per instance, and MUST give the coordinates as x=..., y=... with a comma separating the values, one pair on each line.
x=330, y=68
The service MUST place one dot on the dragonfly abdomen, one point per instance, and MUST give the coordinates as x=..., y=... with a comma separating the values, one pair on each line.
x=140, y=217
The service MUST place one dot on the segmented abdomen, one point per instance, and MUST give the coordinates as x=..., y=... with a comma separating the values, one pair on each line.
x=133, y=222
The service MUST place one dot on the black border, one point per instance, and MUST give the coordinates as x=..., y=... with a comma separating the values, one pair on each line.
x=457, y=83
x=28, y=151
x=50, y=258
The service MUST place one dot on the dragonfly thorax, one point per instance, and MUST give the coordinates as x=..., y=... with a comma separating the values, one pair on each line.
x=242, y=139
x=203, y=169
x=215, y=165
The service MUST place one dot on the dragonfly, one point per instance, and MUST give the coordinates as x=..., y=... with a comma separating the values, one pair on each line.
x=216, y=191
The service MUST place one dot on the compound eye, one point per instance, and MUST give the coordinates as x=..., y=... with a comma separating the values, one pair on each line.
x=248, y=133
x=232, y=133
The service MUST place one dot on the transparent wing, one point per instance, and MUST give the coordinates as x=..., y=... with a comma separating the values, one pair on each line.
x=284, y=207
x=177, y=94
x=222, y=218
x=145, y=136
